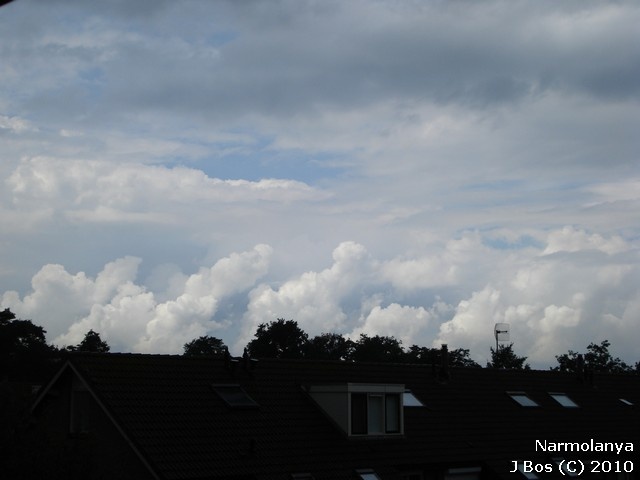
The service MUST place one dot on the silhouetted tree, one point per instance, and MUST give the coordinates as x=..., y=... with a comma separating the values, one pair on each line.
x=597, y=359
x=329, y=346
x=204, y=346
x=506, y=359
x=19, y=337
x=93, y=343
x=457, y=358
x=377, y=349
x=24, y=352
x=279, y=339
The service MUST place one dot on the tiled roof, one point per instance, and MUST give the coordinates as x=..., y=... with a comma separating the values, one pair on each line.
x=168, y=408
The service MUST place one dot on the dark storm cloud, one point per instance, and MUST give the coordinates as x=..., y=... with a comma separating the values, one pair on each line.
x=286, y=58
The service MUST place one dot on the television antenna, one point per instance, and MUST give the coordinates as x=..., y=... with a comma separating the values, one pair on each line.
x=501, y=332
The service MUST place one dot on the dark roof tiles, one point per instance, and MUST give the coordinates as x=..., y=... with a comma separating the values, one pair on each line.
x=186, y=431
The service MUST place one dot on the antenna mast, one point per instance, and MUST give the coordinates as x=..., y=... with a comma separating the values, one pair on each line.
x=501, y=332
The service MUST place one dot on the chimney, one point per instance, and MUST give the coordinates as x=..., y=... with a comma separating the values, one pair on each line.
x=444, y=363
x=580, y=368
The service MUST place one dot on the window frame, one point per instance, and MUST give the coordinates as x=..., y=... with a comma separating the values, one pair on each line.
x=516, y=396
x=247, y=403
x=566, y=402
x=390, y=422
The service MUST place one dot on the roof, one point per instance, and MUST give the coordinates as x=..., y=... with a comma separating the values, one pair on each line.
x=166, y=406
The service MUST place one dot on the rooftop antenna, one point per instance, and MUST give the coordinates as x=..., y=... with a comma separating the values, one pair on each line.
x=501, y=332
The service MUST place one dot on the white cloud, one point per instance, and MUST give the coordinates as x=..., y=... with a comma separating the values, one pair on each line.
x=314, y=299
x=404, y=322
x=180, y=133
x=126, y=314
x=571, y=240
x=98, y=191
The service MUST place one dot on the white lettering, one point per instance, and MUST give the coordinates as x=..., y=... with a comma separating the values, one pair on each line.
x=590, y=446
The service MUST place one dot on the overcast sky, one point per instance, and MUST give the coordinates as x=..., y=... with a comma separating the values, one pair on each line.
x=421, y=169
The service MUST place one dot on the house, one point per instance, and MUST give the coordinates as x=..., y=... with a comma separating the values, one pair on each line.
x=163, y=417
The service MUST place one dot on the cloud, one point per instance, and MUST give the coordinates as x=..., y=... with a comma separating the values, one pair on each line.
x=553, y=301
x=404, y=322
x=98, y=191
x=127, y=315
x=464, y=162
x=314, y=299
x=571, y=240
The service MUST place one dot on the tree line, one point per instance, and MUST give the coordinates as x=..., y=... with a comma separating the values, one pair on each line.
x=24, y=350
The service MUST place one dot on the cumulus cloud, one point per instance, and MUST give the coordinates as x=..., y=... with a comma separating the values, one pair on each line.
x=316, y=300
x=128, y=315
x=404, y=322
x=465, y=162
x=552, y=301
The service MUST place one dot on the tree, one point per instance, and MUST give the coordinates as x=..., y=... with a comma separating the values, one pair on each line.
x=279, y=339
x=204, y=346
x=506, y=359
x=597, y=359
x=93, y=343
x=377, y=349
x=21, y=337
x=24, y=352
x=459, y=357
x=329, y=346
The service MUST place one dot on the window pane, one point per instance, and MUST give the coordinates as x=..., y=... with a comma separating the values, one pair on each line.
x=376, y=414
x=234, y=396
x=523, y=399
x=564, y=400
x=80, y=407
x=392, y=410
x=358, y=413
x=410, y=400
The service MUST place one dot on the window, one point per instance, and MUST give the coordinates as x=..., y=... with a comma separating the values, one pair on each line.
x=530, y=475
x=234, y=396
x=392, y=413
x=410, y=400
x=80, y=411
x=566, y=471
x=412, y=476
x=523, y=399
x=465, y=473
x=367, y=474
x=564, y=400
x=360, y=409
x=375, y=413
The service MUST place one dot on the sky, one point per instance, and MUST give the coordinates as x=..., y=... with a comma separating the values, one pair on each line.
x=420, y=169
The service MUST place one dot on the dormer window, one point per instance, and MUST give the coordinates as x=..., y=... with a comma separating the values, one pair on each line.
x=375, y=413
x=362, y=409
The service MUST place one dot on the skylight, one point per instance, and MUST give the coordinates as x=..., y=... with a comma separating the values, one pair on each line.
x=234, y=396
x=367, y=474
x=564, y=400
x=566, y=471
x=527, y=474
x=523, y=399
x=410, y=400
